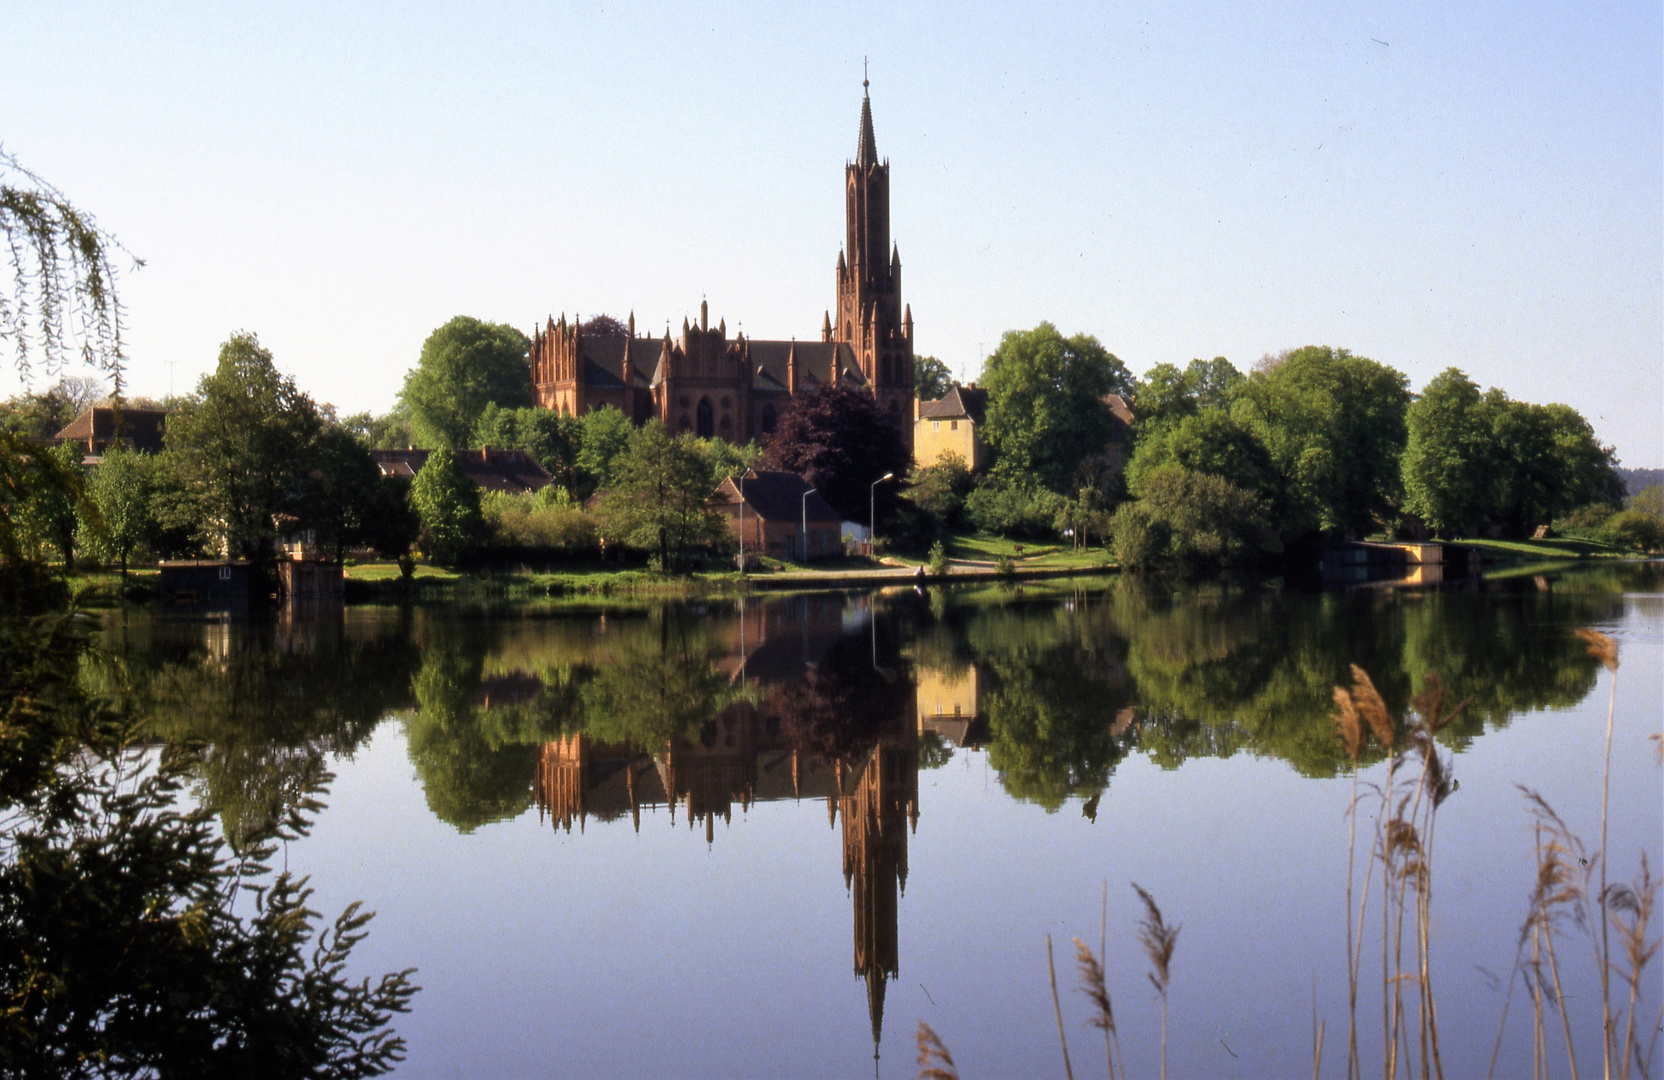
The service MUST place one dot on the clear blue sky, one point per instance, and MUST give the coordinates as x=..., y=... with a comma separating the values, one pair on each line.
x=1426, y=184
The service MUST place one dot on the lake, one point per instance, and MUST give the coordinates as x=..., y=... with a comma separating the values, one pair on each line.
x=769, y=836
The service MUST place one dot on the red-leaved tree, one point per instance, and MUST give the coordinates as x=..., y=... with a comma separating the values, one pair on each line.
x=839, y=440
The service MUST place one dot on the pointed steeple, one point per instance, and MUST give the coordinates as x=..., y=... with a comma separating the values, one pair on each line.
x=867, y=151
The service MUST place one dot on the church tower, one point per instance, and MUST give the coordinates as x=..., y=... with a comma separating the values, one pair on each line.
x=871, y=317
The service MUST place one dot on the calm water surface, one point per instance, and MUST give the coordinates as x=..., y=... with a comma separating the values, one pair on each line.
x=760, y=837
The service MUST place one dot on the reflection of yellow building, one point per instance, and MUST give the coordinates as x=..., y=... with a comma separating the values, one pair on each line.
x=948, y=703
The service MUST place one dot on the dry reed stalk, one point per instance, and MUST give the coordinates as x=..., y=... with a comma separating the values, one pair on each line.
x=1057, y=1007
x=1605, y=650
x=1631, y=910
x=1367, y=700
x=935, y=1063
x=1093, y=986
x=1352, y=740
x=1159, y=940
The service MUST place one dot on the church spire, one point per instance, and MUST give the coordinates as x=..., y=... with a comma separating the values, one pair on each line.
x=867, y=151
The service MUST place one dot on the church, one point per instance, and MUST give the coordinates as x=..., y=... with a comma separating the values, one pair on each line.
x=705, y=382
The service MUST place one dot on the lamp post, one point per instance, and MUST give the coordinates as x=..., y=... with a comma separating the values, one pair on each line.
x=872, y=510
x=806, y=495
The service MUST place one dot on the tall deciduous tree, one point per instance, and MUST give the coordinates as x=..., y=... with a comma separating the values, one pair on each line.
x=1334, y=426
x=1046, y=409
x=120, y=492
x=465, y=366
x=840, y=441
x=603, y=438
x=448, y=505
x=242, y=448
x=658, y=499
x=1209, y=441
x=932, y=379
x=1449, y=465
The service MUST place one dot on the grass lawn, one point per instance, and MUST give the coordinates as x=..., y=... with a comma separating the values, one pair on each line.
x=1025, y=554
x=1559, y=548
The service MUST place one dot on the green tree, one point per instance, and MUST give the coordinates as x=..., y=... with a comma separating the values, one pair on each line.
x=932, y=379
x=1208, y=441
x=465, y=365
x=448, y=505
x=551, y=439
x=341, y=494
x=1333, y=424
x=1167, y=394
x=940, y=489
x=658, y=499
x=121, y=949
x=120, y=491
x=604, y=438
x=1191, y=519
x=241, y=449
x=1046, y=409
x=1449, y=464
x=50, y=511
x=1004, y=505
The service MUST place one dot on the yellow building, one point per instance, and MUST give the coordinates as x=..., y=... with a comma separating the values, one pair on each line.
x=951, y=425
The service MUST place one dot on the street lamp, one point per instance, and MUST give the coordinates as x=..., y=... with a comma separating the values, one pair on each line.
x=872, y=509
x=806, y=495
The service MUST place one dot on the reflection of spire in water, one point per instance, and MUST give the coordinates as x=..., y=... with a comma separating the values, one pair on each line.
x=881, y=797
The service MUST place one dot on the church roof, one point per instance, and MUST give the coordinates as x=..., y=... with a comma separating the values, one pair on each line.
x=867, y=151
x=770, y=361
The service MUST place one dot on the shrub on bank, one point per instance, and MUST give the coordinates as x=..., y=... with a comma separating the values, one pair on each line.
x=547, y=520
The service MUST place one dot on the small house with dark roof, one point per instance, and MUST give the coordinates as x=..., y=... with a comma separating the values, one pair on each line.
x=491, y=469
x=769, y=515
x=102, y=426
x=952, y=425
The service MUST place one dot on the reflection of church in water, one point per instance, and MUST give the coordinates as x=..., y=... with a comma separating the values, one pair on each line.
x=769, y=748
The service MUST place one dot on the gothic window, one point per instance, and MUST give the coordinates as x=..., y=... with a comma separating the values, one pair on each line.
x=768, y=418
x=706, y=425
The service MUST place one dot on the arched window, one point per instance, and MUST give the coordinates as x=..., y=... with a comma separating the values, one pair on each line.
x=768, y=418
x=704, y=422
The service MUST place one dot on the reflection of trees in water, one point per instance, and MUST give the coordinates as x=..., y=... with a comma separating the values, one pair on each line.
x=268, y=703
x=1056, y=682
x=1222, y=669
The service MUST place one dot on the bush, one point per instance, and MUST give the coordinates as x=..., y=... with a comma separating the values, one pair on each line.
x=938, y=560
x=1190, y=518
x=940, y=490
x=1008, y=509
x=1633, y=530
x=1584, y=523
x=547, y=520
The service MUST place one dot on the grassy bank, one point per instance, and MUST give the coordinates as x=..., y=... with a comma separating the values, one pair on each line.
x=1558, y=549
